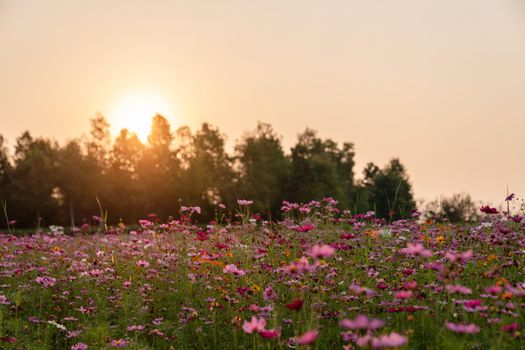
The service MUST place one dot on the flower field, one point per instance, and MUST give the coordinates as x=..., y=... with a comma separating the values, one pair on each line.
x=319, y=279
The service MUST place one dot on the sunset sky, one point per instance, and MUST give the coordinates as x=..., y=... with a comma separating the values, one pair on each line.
x=439, y=84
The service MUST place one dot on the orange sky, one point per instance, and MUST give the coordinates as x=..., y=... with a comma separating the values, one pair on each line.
x=440, y=84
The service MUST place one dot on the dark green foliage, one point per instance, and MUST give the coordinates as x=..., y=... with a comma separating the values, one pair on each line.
x=44, y=183
x=388, y=190
x=321, y=169
x=458, y=208
x=264, y=169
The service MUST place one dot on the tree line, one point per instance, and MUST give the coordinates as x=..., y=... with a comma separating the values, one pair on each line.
x=45, y=183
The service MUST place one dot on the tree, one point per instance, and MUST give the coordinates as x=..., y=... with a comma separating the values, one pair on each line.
x=158, y=170
x=264, y=169
x=34, y=195
x=321, y=169
x=208, y=178
x=458, y=208
x=76, y=180
x=100, y=140
x=127, y=194
x=389, y=192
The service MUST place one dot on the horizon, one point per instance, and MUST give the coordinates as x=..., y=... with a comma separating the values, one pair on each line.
x=441, y=85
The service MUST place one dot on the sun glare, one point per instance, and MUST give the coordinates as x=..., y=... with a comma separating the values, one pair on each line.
x=134, y=112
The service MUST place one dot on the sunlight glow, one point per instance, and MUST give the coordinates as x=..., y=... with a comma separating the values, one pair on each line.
x=135, y=111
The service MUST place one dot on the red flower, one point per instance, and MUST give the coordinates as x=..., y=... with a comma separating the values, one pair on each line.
x=295, y=304
x=488, y=210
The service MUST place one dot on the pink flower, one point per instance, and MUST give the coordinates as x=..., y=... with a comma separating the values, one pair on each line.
x=244, y=202
x=231, y=268
x=461, y=257
x=304, y=228
x=143, y=263
x=363, y=322
x=458, y=289
x=416, y=249
x=270, y=333
x=4, y=300
x=135, y=328
x=307, y=337
x=45, y=281
x=320, y=252
x=462, y=328
x=119, y=343
x=79, y=346
x=254, y=325
x=392, y=340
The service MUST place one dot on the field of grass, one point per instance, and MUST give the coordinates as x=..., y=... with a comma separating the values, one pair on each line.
x=320, y=279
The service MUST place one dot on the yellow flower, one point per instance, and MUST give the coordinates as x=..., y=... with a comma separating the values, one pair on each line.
x=440, y=239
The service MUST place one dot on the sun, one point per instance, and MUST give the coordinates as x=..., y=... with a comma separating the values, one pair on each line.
x=135, y=111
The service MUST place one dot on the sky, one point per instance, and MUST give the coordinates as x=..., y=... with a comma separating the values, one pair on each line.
x=439, y=84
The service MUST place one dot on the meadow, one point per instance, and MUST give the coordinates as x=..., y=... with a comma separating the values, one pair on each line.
x=321, y=278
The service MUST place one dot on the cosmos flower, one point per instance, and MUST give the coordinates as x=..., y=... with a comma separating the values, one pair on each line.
x=255, y=325
x=244, y=202
x=470, y=328
x=307, y=337
x=270, y=333
x=234, y=270
x=392, y=340
x=488, y=210
x=362, y=322
x=458, y=289
x=321, y=252
x=416, y=249
x=79, y=346
x=296, y=304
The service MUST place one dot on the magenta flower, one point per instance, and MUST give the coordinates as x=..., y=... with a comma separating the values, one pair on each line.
x=231, y=268
x=462, y=328
x=321, y=252
x=79, y=346
x=362, y=322
x=255, y=325
x=416, y=249
x=403, y=294
x=511, y=327
x=270, y=333
x=307, y=337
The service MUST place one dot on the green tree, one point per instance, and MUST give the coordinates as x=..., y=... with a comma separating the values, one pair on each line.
x=321, y=169
x=264, y=169
x=208, y=178
x=389, y=191
x=34, y=194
